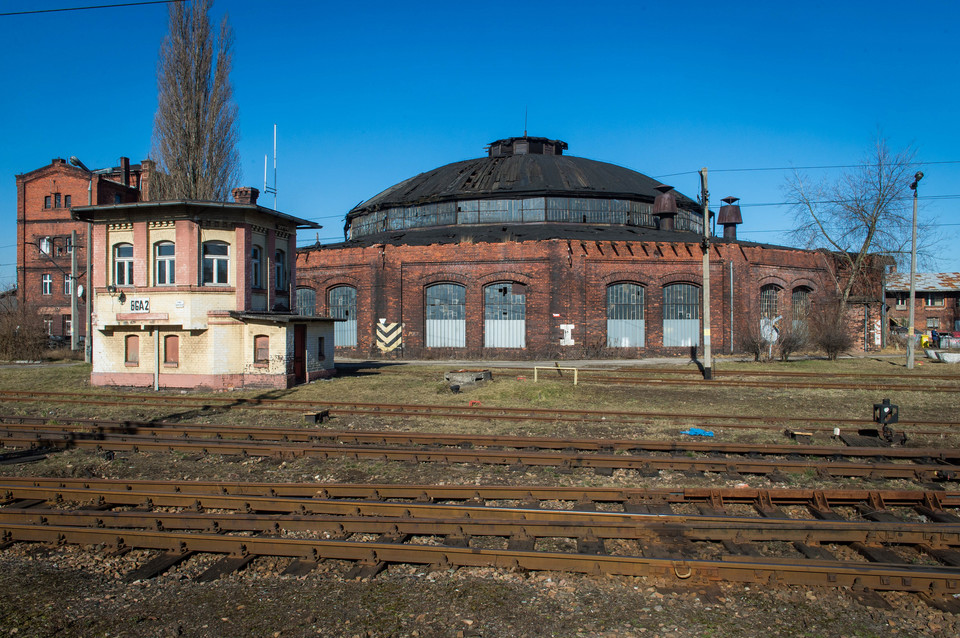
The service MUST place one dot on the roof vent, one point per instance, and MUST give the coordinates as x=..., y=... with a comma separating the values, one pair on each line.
x=665, y=206
x=729, y=217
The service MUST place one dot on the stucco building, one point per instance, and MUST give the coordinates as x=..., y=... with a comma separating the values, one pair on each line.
x=191, y=293
x=531, y=253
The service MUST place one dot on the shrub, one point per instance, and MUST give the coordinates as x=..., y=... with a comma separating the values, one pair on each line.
x=831, y=333
x=753, y=343
x=791, y=340
x=22, y=336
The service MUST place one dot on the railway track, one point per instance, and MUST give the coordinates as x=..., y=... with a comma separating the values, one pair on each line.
x=905, y=541
x=464, y=412
x=602, y=455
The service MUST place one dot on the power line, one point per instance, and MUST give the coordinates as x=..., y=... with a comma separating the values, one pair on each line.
x=799, y=168
x=97, y=6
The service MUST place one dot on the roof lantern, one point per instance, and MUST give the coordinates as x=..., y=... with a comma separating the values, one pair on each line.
x=525, y=146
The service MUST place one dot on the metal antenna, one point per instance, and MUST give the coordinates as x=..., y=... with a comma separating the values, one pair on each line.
x=271, y=189
x=525, y=121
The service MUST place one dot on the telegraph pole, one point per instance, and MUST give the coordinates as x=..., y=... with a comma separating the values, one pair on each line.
x=913, y=271
x=74, y=332
x=705, y=245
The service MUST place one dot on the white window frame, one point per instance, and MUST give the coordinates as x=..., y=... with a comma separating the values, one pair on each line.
x=46, y=284
x=280, y=260
x=215, y=261
x=169, y=264
x=256, y=266
x=67, y=285
x=122, y=266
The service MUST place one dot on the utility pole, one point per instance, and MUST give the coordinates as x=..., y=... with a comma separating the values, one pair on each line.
x=913, y=271
x=705, y=245
x=74, y=332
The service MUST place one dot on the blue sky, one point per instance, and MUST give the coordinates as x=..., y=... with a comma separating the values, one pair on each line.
x=366, y=94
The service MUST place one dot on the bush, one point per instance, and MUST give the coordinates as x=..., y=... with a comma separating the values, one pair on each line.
x=831, y=333
x=22, y=336
x=791, y=340
x=753, y=343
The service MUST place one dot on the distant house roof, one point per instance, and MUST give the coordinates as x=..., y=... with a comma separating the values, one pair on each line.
x=925, y=282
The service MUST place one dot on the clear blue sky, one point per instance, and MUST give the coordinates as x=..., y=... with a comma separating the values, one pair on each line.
x=366, y=94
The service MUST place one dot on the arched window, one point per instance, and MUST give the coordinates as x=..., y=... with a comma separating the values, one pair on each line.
x=504, y=315
x=342, y=302
x=281, y=262
x=625, y=324
x=770, y=301
x=123, y=265
x=171, y=350
x=681, y=315
x=256, y=264
x=164, y=263
x=446, y=316
x=216, y=263
x=800, y=306
x=261, y=349
x=306, y=301
x=131, y=350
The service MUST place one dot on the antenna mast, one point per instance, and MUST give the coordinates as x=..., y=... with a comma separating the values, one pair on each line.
x=524, y=121
x=271, y=189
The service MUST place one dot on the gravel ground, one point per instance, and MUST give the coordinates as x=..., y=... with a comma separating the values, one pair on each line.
x=74, y=591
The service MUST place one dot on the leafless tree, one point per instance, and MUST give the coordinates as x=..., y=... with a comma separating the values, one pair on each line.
x=866, y=212
x=195, y=130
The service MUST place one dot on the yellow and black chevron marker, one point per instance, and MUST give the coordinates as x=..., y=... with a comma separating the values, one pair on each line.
x=389, y=336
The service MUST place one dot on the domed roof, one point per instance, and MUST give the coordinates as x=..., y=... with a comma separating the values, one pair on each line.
x=520, y=167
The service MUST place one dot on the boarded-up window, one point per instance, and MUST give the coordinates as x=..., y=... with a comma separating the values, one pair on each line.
x=446, y=316
x=171, y=349
x=504, y=315
x=132, y=350
x=681, y=315
x=625, y=323
x=261, y=349
x=342, y=304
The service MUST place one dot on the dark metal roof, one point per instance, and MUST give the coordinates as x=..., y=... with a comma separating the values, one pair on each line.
x=171, y=207
x=498, y=233
x=514, y=176
x=278, y=317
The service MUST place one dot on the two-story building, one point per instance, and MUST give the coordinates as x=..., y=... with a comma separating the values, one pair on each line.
x=45, y=246
x=191, y=293
x=936, y=301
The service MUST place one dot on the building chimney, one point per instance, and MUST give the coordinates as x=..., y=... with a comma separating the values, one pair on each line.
x=245, y=195
x=665, y=207
x=125, y=170
x=729, y=217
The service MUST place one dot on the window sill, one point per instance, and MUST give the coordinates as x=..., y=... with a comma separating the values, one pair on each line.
x=170, y=365
x=260, y=365
x=135, y=364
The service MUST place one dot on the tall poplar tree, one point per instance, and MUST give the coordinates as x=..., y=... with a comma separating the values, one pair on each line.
x=195, y=131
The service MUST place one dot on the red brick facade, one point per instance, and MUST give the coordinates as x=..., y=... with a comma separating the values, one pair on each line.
x=566, y=283
x=44, y=199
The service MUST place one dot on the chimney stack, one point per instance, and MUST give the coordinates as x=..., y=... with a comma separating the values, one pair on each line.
x=729, y=217
x=245, y=195
x=125, y=170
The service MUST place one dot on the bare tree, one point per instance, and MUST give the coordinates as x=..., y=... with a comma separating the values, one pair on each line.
x=195, y=130
x=866, y=212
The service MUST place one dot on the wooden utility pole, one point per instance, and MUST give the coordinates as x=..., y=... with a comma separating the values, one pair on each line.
x=705, y=245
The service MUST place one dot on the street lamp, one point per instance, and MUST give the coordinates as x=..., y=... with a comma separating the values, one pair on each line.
x=913, y=271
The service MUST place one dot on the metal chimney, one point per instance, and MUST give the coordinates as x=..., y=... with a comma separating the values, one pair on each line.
x=665, y=207
x=729, y=217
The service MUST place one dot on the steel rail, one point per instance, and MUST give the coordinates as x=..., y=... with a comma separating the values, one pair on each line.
x=427, y=410
x=480, y=493
x=26, y=433
x=879, y=576
x=462, y=522
x=921, y=470
x=767, y=384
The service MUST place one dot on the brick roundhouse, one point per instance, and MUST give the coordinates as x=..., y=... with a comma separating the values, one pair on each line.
x=529, y=253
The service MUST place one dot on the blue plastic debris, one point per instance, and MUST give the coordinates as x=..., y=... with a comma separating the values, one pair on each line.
x=697, y=432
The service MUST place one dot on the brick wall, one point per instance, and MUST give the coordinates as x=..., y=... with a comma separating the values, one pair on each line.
x=566, y=284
